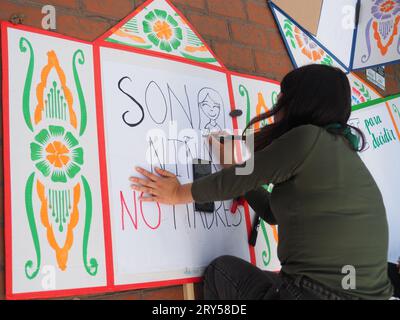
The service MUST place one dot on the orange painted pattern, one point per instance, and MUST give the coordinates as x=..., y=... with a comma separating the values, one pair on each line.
x=134, y=38
x=61, y=252
x=316, y=54
x=260, y=109
x=163, y=30
x=384, y=48
x=53, y=64
x=196, y=49
x=57, y=154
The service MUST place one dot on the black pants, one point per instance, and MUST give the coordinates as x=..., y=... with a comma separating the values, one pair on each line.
x=231, y=278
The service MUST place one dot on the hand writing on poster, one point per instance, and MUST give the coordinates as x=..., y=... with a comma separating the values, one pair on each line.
x=163, y=188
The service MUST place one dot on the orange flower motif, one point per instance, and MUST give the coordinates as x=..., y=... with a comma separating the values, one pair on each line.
x=57, y=154
x=163, y=30
x=308, y=47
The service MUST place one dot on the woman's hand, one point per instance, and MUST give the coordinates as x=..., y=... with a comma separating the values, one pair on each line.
x=164, y=188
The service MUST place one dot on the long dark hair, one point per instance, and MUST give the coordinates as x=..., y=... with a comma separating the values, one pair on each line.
x=314, y=94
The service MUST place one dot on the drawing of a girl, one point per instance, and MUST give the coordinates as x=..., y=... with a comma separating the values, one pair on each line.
x=211, y=106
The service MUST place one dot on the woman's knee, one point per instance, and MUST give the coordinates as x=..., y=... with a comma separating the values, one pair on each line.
x=216, y=276
x=220, y=263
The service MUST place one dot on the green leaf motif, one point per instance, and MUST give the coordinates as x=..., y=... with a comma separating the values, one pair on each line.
x=43, y=137
x=266, y=254
x=154, y=39
x=327, y=61
x=245, y=93
x=28, y=81
x=161, y=14
x=44, y=168
x=151, y=17
x=92, y=266
x=71, y=140
x=80, y=57
x=36, y=151
x=73, y=170
x=364, y=91
x=77, y=156
x=288, y=28
x=172, y=21
x=59, y=176
x=32, y=226
x=56, y=131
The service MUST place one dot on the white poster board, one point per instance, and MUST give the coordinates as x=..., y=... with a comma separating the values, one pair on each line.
x=53, y=195
x=380, y=156
x=141, y=95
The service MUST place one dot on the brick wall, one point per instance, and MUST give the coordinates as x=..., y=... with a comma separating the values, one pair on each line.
x=225, y=25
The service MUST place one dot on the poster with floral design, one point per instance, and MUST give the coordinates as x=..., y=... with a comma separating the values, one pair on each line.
x=159, y=26
x=355, y=34
x=54, y=216
x=378, y=35
x=304, y=50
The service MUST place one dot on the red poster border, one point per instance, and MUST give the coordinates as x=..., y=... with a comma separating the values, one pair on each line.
x=6, y=162
x=103, y=167
x=103, y=37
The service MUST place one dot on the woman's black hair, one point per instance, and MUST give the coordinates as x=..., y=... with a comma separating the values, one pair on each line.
x=314, y=94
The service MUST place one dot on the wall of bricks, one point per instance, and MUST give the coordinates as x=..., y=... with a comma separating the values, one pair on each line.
x=225, y=24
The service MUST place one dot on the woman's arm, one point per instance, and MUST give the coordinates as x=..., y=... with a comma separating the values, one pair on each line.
x=275, y=164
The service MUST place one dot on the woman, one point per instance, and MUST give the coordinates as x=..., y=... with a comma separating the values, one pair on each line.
x=333, y=233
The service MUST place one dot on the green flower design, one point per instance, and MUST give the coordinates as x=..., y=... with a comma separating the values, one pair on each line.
x=162, y=30
x=57, y=154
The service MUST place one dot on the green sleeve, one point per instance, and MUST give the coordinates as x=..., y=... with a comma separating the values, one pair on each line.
x=259, y=201
x=275, y=164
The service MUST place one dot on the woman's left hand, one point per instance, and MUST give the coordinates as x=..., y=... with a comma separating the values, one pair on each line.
x=164, y=188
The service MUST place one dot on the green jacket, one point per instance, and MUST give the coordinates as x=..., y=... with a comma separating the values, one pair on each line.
x=328, y=207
